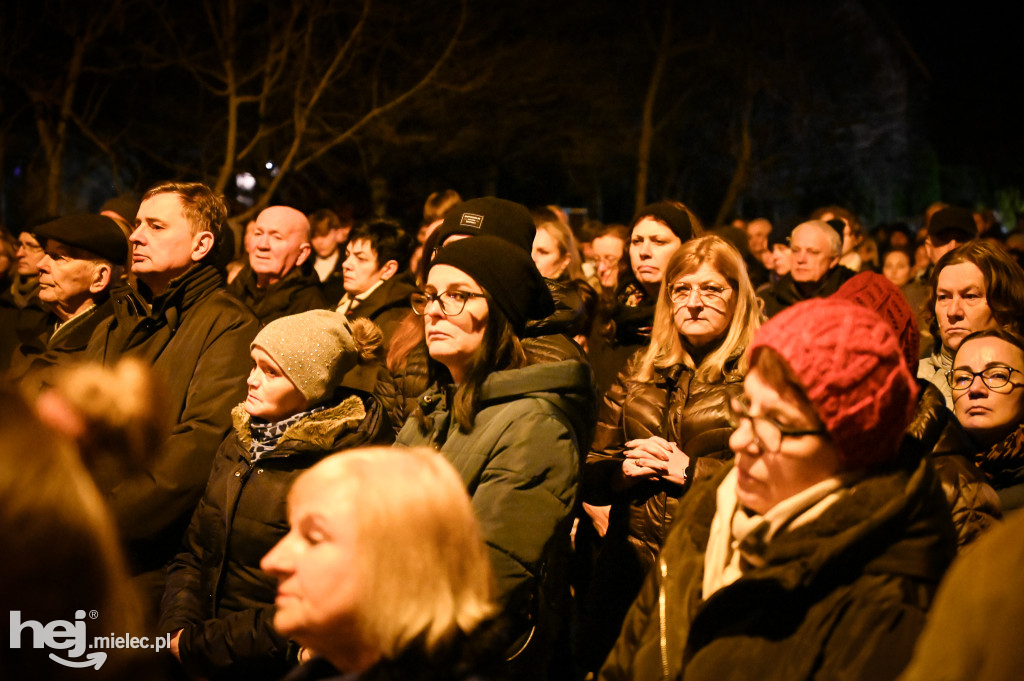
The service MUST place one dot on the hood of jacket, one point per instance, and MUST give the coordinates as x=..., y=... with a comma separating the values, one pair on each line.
x=568, y=385
x=318, y=431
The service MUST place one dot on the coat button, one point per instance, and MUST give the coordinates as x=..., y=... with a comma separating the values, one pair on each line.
x=238, y=474
x=259, y=471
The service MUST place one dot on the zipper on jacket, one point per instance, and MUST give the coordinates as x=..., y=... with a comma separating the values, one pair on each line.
x=663, y=625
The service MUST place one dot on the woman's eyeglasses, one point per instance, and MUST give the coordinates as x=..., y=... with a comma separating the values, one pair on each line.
x=452, y=302
x=993, y=377
x=707, y=293
x=768, y=433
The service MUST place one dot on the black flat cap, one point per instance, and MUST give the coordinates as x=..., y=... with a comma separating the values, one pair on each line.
x=97, y=234
x=952, y=223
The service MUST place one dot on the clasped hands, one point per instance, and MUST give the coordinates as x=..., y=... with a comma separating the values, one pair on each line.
x=655, y=457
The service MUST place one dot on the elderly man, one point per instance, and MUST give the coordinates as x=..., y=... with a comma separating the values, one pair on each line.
x=82, y=259
x=815, y=270
x=275, y=284
x=197, y=339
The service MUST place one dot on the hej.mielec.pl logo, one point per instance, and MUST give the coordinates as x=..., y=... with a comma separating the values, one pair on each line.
x=71, y=637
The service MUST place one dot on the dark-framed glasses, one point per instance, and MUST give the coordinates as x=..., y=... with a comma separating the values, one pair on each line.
x=707, y=293
x=768, y=433
x=994, y=377
x=451, y=302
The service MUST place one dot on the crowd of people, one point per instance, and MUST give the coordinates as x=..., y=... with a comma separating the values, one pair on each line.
x=500, y=446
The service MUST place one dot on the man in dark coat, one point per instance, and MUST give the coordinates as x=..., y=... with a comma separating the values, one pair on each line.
x=197, y=338
x=81, y=262
x=815, y=271
x=275, y=284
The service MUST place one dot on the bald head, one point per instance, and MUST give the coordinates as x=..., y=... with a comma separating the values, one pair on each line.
x=280, y=243
x=816, y=247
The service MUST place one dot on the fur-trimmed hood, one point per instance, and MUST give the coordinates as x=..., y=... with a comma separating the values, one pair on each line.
x=317, y=431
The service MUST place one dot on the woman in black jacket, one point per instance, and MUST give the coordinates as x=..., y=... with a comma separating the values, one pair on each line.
x=664, y=424
x=218, y=604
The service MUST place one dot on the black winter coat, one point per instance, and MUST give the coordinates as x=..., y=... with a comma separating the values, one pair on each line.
x=197, y=338
x=841, y=597
x=786, y=291
x=216, y=592
x=933, y=432
x=298, y=292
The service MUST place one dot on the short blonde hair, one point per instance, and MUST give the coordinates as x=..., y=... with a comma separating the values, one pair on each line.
x=423, y=565
x=666, y=348
x=63, y=552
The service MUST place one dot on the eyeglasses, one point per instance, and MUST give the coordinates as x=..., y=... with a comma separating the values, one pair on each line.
x=708, y=293
x=993, y=377
x=452, y=302
x=768, y=433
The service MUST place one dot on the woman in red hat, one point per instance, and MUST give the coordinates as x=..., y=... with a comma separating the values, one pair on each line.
x=816, y=555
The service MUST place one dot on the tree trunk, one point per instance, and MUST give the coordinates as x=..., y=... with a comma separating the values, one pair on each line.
x=643, y=156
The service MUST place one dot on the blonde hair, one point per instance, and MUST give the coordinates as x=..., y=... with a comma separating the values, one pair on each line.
x=667, y=349
x=567, y=246
x=63, y=553
x=424, y=568
x=121, y=408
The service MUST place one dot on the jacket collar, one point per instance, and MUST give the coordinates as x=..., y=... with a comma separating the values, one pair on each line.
x=317, y=431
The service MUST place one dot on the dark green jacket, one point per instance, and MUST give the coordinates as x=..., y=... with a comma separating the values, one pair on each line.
x=521, y=460
x=842, y=597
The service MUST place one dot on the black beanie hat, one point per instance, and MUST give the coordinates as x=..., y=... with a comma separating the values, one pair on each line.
x=507, y=275
x=96, y=234
x=666, y=212
x=506, y=220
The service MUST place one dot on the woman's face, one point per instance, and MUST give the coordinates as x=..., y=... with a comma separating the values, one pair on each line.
x=272, y=396
x=896, y=267
x=319, y=585
x=452, y=339
x=547, y=255
x=989, y=414
x=650, y=247
x=765, y=478
x=703, y=303
x=961, y=304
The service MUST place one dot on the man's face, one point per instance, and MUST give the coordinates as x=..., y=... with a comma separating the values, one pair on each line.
x=67, y=282
x=360, y=269
x=279, y=244
x=29, y=255
x=163, y=246
x=812, y=254
x=936, y=252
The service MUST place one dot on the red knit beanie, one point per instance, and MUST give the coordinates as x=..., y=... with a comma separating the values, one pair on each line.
x=881, y=295
x=852, y=369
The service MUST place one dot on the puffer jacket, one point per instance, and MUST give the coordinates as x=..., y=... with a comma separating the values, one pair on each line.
x=216, y=592
x=520, y=463
x=843, y=596
x=933, y=432
x=679, y=408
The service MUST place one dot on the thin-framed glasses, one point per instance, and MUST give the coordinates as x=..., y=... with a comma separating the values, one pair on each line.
x=994, y=377
x=768, y=433
x=708, y=293
x=452, y=302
